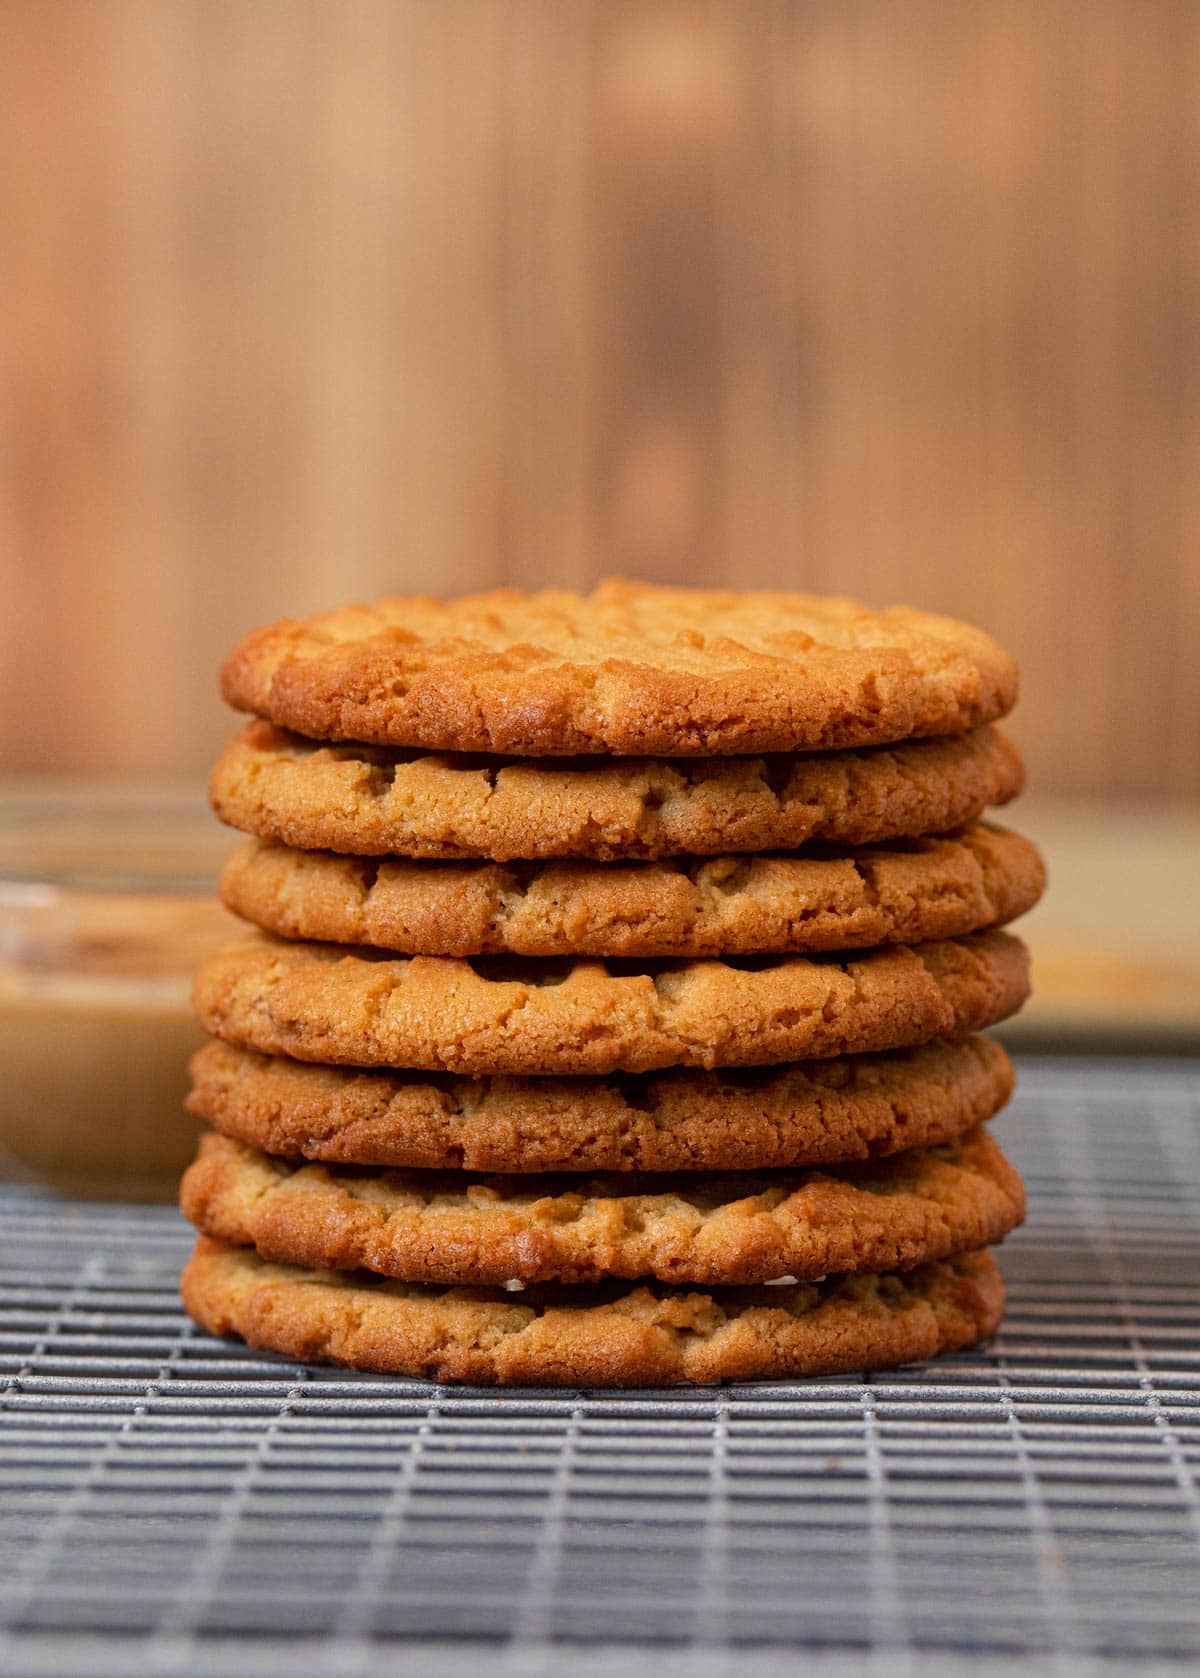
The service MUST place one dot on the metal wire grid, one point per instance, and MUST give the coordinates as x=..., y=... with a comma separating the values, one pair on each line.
x=171, y=1504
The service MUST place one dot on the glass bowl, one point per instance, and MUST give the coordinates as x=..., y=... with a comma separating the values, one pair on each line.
x=107, y=906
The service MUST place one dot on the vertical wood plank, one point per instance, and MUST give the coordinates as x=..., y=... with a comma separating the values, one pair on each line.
x=302, y=302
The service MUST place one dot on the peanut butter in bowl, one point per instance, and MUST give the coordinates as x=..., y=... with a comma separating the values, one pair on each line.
x=106, y=909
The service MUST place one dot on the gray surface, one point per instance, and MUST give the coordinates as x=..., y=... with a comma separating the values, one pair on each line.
x=169, y=1504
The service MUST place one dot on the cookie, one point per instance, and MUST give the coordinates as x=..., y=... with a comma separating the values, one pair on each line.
x=446, y=1227
x=597, y=1336
x=630, y=668
x=824, y=1111
x=496, y=1015
x=368, y=801
x=732, y=905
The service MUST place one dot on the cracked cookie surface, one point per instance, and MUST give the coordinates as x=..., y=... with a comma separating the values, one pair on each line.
x=319, y=1002
x=594, y=1336
x=630, y=668
x=819, y=1112
x=732, y=905
x=923, y=1205
x=369, y=801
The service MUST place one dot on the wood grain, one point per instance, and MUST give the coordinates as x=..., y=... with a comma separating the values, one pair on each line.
x=303, y=302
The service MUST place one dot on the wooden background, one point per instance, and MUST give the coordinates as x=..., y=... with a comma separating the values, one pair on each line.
x=301, y=302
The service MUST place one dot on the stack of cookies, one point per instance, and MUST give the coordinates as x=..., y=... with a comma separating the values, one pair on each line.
x=611, y=1012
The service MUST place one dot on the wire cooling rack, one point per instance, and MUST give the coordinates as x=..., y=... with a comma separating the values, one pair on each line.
x=170, y=1504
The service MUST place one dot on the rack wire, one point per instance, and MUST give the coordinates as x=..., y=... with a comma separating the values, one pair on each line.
x=170, y=1504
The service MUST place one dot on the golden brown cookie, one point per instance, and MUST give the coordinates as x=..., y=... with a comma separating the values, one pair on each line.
x=630, y=668
x=732, y=905
x=422, y=1226
x=596, y=1336
x=816, y=1113
x=495, y=1015
x=369, y=801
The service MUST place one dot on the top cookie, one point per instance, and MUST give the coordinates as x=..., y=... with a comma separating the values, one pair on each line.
x=628, y=669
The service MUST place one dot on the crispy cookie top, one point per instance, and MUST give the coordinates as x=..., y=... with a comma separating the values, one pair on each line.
x=817, y=1112
x=373, y=801
x=630, y=668
x=733, y=905
x=596, y=1335
x=431, y=1226
x=319, y=1002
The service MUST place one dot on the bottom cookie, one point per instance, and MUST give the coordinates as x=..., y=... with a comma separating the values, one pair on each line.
x=601, y=1335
